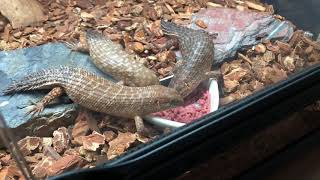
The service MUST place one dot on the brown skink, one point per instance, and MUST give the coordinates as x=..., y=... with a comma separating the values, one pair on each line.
x=110, y=57
x=196, y=47
x=96, y=93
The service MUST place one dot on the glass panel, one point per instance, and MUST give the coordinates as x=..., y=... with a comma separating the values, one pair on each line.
x=147, y=67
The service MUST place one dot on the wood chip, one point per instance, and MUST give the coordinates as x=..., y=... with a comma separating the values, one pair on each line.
x=169, y=8
x=86, y=16
x=255, y=6
x=260, y=48
x=312, y=43
x=236, y=74
x=29, y=144
x=201, y=23
x=120, y=144
x=309, y=50
x=137, y=47
x=40, y=169
x=245, y=58
x=289, y=63
x=60, y=139
x=230, y=85
x=11, y=172
x=81, y=127
x=211, y=4
x=65, y=163
x=109, y=135
x=240, y=8
x=22, y=12
x=49, y=151
x=285, y=47
x=93, y=141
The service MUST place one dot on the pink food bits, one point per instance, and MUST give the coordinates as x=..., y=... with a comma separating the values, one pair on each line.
x=195, y=107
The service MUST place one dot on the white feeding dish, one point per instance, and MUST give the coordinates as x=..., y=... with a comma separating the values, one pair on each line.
x=166, y=123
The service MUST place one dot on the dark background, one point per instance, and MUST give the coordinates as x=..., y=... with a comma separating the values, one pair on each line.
x=304, y=13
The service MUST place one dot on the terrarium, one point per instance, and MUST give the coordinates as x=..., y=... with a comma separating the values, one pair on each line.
x=106, y=86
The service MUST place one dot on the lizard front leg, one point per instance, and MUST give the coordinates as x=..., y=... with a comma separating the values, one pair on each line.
x=139, y=124
x=78, y=46
x=39, y=106
x=215, y=74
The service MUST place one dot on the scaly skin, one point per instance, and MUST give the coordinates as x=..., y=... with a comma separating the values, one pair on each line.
x=196, y=47
x=99, y=94
x=112, y=59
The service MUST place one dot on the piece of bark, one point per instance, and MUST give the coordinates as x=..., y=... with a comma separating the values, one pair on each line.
x=60, y=139
x=120, y=144
x=255, y=6
x=11, y=172
x=65, y=163
x=29, y=144
x=81, y=128
x=93, y=141
x=22, y=12
x=41, y=168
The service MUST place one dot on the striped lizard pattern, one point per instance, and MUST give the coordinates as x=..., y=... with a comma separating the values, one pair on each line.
x=110, y=58
x=98, y=94
x=196, y=47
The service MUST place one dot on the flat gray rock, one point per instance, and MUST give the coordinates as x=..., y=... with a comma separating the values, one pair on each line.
x=16, y=64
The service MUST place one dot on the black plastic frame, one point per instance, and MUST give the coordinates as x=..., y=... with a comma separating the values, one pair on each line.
x=174, y=153
x=309, y=142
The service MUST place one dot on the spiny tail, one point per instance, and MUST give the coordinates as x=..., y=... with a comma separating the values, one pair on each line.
x=173, y=29
x=39, y=80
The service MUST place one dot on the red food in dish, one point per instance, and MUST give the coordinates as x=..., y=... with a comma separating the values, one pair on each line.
x=196, y=106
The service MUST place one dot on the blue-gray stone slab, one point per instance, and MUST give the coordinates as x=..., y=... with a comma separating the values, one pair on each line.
x=18, y=63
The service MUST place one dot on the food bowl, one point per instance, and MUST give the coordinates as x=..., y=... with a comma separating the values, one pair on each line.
x=167, y=123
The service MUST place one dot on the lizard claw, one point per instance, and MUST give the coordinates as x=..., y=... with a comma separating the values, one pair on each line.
x=35, y=109
x=72, y=45
x=28, y=104
x=77, y=46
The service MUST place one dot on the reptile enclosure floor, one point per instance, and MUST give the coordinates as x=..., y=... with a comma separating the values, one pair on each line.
x=94, y=139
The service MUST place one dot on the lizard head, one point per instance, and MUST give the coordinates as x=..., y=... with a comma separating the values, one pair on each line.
x=157, y=98
x=183, y=86
x=170, y=98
